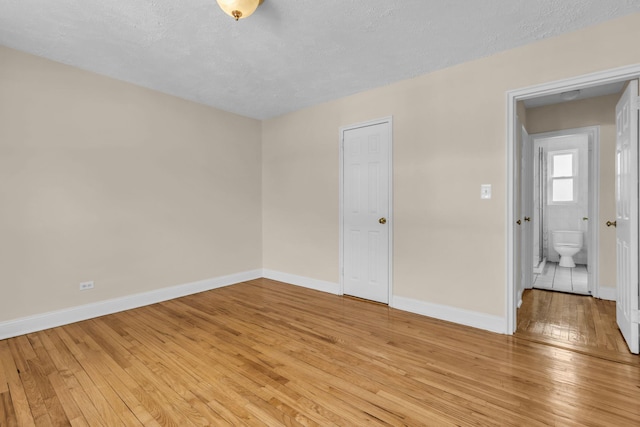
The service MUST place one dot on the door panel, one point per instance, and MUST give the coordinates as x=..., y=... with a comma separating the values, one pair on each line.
x=627, y=216
x=527, y=210
x=365, y=212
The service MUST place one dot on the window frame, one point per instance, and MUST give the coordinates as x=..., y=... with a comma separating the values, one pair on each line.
x=573, y=177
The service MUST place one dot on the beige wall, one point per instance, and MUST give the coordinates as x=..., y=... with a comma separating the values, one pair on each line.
x=598, y=111
x=449, y=137
x=101, y=180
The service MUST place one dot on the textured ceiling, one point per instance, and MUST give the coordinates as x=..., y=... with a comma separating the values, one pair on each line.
x=291, y=53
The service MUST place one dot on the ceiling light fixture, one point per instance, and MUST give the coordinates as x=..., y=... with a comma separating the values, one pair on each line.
x=239, y=9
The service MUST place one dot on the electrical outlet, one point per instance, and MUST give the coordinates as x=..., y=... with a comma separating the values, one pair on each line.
x=86, y=285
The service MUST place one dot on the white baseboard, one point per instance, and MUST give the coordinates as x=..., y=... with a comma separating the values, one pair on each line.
x=452, y=314
x=305, y=282
x=39, y=322
x=607, y=293
x=520, y=292
x=540, y=268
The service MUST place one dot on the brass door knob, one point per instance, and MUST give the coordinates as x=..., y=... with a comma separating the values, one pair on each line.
x=526, y=218
x=382, y=220
x=518, y=222
x=610, y=223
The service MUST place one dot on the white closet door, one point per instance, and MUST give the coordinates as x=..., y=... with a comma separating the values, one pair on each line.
x=365, y=212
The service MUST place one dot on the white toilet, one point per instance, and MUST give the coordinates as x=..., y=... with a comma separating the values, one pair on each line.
x=567, y=244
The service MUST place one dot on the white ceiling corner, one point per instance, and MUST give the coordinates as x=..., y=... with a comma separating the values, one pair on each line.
x=290, y=54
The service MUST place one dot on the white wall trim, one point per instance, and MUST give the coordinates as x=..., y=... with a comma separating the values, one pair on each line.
x=607, y=293
x=39, y=322
x=305, y=282
x=452, y=314
x=579, y=82
x=520, y=292
x=52, y=319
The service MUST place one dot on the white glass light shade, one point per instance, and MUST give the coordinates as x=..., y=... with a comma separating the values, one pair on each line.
x=238, y=9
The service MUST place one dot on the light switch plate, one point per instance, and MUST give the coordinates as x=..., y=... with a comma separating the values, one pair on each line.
x=485, y=191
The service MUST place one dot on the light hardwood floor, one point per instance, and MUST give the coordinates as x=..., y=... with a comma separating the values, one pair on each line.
x=577, y=322
x=266, y=353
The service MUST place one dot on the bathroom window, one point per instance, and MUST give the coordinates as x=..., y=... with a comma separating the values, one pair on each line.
x=562, y=177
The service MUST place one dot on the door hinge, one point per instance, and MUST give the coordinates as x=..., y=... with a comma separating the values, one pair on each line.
x=636, y=103
x=635, y=316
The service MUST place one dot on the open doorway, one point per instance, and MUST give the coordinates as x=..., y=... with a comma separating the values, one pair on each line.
x=523, y=248
x=563, y=189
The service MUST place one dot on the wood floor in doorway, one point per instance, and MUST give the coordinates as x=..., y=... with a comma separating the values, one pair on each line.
x=577, y=322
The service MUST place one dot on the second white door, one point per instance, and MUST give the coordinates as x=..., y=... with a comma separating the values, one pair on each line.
x=627, y=216
x=366, y=222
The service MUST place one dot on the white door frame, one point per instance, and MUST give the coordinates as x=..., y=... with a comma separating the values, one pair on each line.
x=580, y=82
x=527, y=208
x=389, y=121
x=593, y=242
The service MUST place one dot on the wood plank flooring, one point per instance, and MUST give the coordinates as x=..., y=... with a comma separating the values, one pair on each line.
x=266, y=353
x=577, y=322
